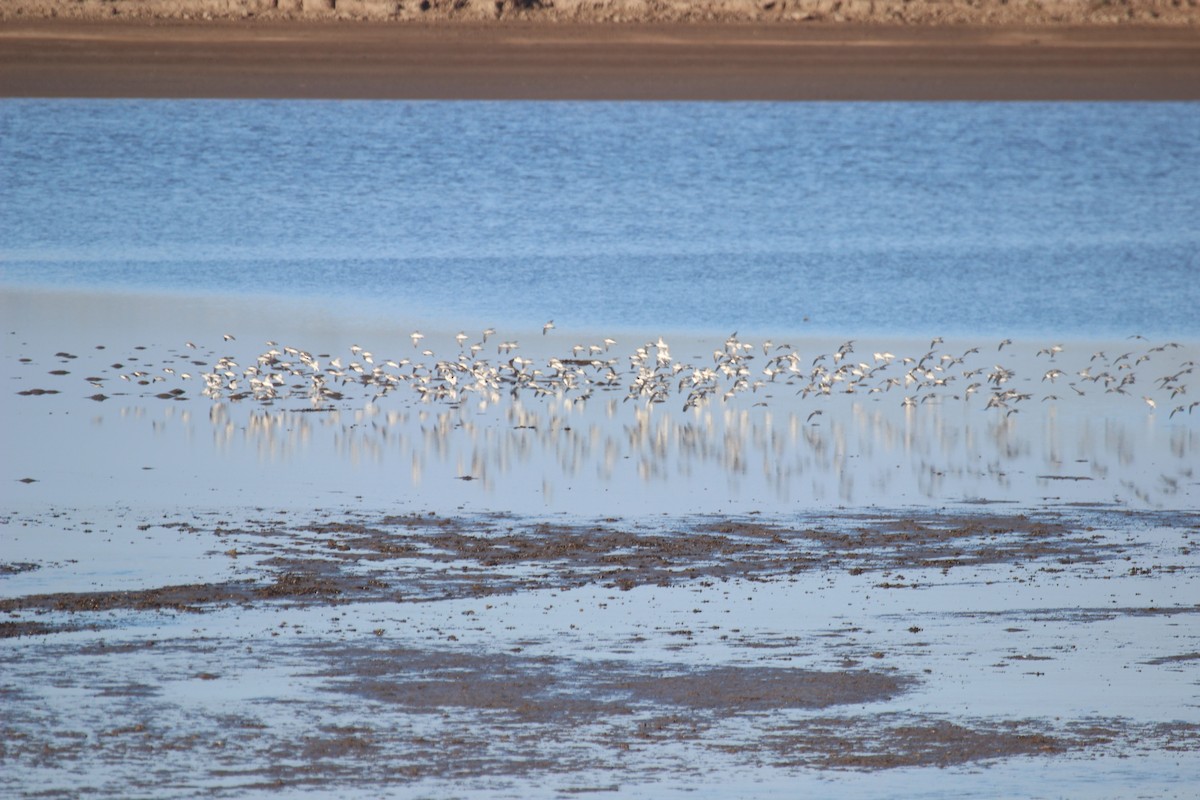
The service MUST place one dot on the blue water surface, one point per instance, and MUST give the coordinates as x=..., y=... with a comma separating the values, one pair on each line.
x=1073, y=219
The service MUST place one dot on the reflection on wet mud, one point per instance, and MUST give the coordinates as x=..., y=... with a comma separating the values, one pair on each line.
x=854, y=454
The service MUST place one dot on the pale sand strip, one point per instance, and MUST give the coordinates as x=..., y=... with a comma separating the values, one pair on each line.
x=520, y=60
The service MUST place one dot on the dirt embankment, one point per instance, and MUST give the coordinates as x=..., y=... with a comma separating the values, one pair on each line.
x=921, y=12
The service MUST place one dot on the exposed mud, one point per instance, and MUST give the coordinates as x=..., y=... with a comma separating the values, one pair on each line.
x=389, y=653
x=420, y=558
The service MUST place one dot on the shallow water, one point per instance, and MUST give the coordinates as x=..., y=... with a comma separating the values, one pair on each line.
x=812, y=437
x=1004, y=219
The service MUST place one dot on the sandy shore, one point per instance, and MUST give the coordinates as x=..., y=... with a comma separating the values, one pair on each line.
x=521, y=59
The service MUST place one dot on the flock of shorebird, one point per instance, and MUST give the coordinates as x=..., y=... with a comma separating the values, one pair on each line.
x=651, y=374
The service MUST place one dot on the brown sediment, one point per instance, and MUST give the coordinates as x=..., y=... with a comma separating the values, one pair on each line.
x=384, y=708
x=10, y=629
x=552, y=690
x=419, y=558
x=760, y=688
x=1174, y=659
x=483, y=715
x=900, y=741
x=189, y=597
x=1017, y=59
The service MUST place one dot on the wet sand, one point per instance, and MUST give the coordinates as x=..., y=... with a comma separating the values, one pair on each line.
x=655, y=61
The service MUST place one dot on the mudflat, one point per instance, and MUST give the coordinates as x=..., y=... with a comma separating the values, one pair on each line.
x=594, y=61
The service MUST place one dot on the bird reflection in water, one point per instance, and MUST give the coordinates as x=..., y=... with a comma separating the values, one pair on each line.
x=749, y=421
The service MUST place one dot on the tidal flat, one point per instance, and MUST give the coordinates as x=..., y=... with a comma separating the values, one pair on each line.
x=949, y=653
x=545, y=588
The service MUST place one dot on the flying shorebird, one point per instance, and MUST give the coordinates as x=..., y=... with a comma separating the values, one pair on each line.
x=416, y=337
x=547, y=327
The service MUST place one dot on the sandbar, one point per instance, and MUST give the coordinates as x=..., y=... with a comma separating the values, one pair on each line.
x=524, y=60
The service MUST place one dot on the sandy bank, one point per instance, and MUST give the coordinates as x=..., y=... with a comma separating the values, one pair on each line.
x=520, y=59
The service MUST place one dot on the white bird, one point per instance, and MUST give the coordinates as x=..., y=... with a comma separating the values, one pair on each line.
x=416, y=337
x=547, y=327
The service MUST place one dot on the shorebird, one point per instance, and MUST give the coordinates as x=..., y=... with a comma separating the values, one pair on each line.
x=547, y=327
x=416, y=337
